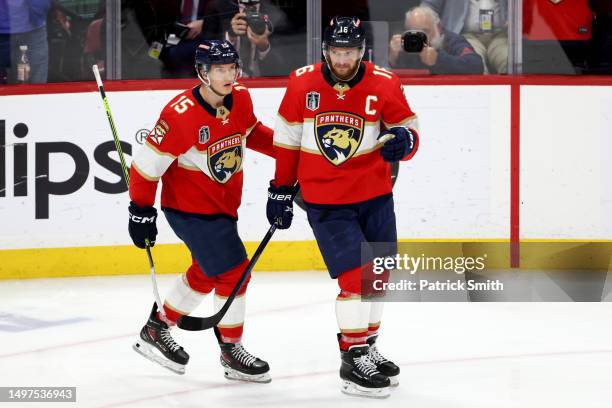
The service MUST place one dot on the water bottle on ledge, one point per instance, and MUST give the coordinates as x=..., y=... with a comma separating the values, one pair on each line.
x=23, y=66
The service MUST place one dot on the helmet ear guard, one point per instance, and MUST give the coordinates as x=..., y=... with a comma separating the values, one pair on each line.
x=202, y=71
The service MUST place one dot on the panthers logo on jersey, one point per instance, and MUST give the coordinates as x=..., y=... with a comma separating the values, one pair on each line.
x=225, y=158
x=338, y=135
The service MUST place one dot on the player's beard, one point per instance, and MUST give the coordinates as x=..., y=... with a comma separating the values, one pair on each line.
x=346, y=72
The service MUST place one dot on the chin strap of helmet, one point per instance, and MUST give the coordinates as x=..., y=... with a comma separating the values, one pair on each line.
x=202, y=72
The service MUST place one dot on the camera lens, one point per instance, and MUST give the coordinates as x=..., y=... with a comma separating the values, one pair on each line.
x=255, y=20
x=414, y=41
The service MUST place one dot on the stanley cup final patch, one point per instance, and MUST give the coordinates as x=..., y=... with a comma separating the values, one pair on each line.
x=204, y=135
x=312, y=100
x=225, y=158
x=338, y=135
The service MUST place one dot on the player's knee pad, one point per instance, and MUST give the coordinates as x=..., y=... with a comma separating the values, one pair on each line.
x=350, y=281
x=197, y=280
x=225, y=282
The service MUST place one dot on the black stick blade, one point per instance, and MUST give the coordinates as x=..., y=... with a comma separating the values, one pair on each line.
x=194, y=323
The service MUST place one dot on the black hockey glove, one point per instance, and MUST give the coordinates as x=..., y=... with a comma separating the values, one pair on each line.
x=142, y=224
x=279, y=209
x=401, y=145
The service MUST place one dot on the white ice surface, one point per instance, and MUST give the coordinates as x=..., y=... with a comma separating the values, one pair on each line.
x=451, y=354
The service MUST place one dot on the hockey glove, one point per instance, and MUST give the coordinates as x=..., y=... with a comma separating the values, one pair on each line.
x=400, y=146
x=279, y=209
x=142, y=224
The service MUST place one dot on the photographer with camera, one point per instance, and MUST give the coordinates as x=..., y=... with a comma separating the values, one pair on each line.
x=172, y=30
x=250, y=32
x=426, y=45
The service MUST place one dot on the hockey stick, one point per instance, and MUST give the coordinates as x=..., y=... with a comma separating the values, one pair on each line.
x=126, y=178
x=194, y=323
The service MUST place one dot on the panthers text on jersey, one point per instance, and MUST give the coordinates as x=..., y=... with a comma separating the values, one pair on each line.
x=326, y=133
x=198, y=151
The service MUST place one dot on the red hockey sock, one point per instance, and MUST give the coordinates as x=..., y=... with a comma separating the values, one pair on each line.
x=171, y=315
x=373, y=329
x=351, y=339
x=231, y=326
x=231, y=334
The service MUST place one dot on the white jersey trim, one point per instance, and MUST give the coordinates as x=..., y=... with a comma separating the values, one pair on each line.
x=151, y=163
x=286, y=133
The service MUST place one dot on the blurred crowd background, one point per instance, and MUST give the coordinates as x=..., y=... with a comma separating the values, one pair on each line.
x=59, y=40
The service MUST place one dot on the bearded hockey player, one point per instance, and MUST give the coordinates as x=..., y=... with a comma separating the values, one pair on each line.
x=197, y=149
x=329, y=137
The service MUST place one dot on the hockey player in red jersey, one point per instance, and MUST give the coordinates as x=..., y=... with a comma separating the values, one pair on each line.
x=197, y=148
x=329, y=137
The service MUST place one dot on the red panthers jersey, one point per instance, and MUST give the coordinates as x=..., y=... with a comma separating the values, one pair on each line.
x=326, y=133
x=198, y=151
x=557, y=20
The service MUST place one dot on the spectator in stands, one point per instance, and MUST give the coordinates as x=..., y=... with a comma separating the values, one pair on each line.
x=147, y=26
x=248, y=25
x=483, y=23
x=444, y=53
x=24, y=23
x=167, y=30
x=180, y=26
x=556, y=36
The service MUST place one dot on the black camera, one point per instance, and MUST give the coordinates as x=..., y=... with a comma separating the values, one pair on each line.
x=414, y=40
x=254, y=19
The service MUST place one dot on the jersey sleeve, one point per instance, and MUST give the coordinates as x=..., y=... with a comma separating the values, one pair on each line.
x=396, y=111
x=162, y=146
x=288, y=134
x=260, y=139
x=258, y=136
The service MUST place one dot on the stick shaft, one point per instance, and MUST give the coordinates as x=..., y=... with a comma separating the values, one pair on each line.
x=126, y=178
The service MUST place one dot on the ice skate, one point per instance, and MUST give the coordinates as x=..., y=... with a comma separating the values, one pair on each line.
x=156, y=344
x=239, y=364
x=386, y=367
x=360, y=376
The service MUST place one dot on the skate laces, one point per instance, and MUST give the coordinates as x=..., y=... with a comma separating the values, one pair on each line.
x=243, y=356
x=375, y=355
x=365, y=365
x=168, y=340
